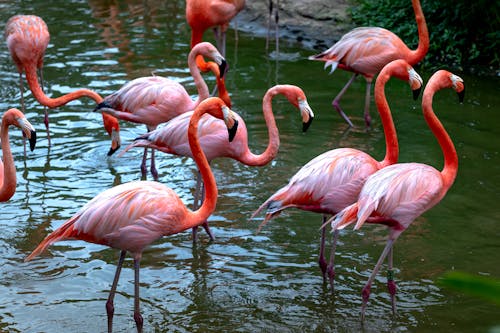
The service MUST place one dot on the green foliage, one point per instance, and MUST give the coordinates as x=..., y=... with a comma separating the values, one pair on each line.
x=463, y=34
x=479, y=286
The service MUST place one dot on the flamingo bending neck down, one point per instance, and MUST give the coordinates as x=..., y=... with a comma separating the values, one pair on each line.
x=366, y=50
x=131, y=216
x=396, y=195
x=172, y=139
x=8, y=180
x=331, y=181
x=154, y=100
x=27, y=39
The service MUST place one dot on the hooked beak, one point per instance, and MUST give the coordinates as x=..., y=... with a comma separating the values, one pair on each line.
x=461, y=96
x=115, y=142
x=305, y=125
x=307, y=114
x=232, y=130
x=416, y=93
x=102, y=105
x=32, y=140
x=28, y=131
x=223, y=67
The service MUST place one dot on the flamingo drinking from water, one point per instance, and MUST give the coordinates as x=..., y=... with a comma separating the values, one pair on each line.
x=366, y=50
x=131, y=216
x=7, y=168
x=27, y=39
x=172, y=139
x=331, y=181
x=396, y=195
x=153, y=100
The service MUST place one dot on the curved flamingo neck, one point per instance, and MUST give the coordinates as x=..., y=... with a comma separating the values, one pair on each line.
x=417, y=55
x=199, y=216
x=62, y=100
x=8, y=183
x=201, y=86
x=271, y=151
x=450, y=168
x=391, y=138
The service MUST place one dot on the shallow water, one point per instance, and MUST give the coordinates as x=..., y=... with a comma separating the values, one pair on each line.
x=243, y=281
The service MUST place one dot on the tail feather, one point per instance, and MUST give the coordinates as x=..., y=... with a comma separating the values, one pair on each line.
x=63, y=232
x=345, y=217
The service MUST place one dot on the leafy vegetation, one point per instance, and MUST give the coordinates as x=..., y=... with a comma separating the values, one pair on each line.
x=464, y=34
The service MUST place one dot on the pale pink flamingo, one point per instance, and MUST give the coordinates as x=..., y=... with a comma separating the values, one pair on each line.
x=7, y=168
x=396, y=195
x=172, y=139
x=27, y=39
x=131, y=216
x=366, y=50
x=331, y=181
x=153, y=100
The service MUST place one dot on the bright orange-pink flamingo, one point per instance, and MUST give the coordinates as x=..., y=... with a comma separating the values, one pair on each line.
x=7, y=168
x=172, y=139
x=396, y=195
x=27, y=38
x=366, y=50
x=153, y=100
x=202, y=15
x=131, y=216
x=331, y=181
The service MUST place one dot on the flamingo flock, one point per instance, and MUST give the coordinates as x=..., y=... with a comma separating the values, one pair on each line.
x=346, y=185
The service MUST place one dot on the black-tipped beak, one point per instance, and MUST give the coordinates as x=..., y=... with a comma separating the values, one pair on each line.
x=232, y=131
x=305, y=125
x=112, y=151
x=461, y=96
x=32, y=140
x=102, y=105
x=223, y=67
x=416, y=93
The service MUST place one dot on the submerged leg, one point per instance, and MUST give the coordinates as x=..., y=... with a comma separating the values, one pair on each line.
x=137, y=312
x=110, y=309
x=154, y=172
x=391, y=284
x=321, y=258
x=330, y=270
x=366, y=289
x=368, y=118
x=144, y=171
x=336, y=100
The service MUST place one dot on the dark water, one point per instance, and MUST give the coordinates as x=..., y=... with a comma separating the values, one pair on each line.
x=242, y=282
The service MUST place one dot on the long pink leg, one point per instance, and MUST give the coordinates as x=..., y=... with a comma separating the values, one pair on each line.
x=110, y=309
x=366, y=289
x=391, y=284
x=330, y=270
x=321, y=258
x=368, y=118
x=139, y=321
x=198, y=199
x=144, y=169
x=154, y=172
x=46, y=118
x=336, y=100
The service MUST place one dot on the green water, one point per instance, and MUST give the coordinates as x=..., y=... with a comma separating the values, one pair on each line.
x=243, y=281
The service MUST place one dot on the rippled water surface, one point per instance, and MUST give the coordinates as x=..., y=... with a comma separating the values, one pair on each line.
x=243, y=281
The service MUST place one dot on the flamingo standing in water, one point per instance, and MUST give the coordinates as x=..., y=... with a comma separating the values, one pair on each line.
x=331, y=181
x=153, y=100
x=131, y=216
x=366, y=50
x=27, y=39
x=7, y=168
x=172, y=139
x=396, y=195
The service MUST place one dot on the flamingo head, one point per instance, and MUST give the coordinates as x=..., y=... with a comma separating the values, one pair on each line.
x=458, y=85
x=231, y=121
x=296, y=96
x=16, y=117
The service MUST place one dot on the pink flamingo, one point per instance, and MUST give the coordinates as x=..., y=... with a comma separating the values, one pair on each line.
x=396, y=195
x=7, y=168
x=366, y=50
x=332, y=180
x=202, y=15
x=172, y=139
x=131, y=216
x=27, y=38
x=153, y=100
